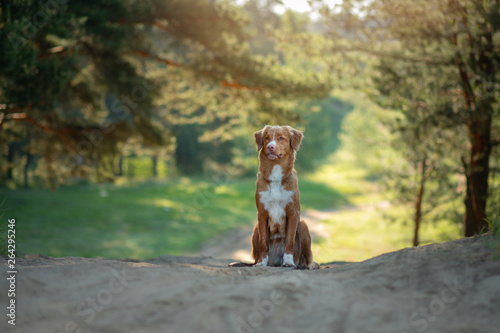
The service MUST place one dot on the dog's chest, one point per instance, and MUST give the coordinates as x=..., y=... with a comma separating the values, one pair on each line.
x=276, y=198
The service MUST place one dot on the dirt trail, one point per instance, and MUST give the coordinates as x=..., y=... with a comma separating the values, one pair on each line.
x=449, y=287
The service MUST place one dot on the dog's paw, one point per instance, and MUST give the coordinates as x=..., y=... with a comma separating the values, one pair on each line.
x=288, y=260
x=263, y=262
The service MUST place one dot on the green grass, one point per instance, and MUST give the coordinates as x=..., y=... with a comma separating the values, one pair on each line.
x=139, y=220
x=360, y=231
x=365, y=229
x=494, y=228
x=146, y=219
x=356, y=235
x=363, y=232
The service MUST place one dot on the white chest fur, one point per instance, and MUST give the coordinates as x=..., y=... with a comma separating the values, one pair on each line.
x=276, y=197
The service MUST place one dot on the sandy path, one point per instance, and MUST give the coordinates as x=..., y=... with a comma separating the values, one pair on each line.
x=449, y=287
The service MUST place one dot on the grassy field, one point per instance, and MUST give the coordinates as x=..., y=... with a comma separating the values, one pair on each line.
x=139, y=220
x=146, y=219
x=364, y=229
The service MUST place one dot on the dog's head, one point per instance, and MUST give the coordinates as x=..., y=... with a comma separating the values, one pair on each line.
x=278, y=141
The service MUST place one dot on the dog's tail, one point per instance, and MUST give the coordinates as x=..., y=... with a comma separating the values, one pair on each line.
x=240, y=264
x=314, y=265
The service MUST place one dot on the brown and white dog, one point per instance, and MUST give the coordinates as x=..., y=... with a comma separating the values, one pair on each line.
x=280, y=238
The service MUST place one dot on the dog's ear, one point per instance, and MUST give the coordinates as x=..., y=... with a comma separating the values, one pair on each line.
x=295, y=137
x=258, y=139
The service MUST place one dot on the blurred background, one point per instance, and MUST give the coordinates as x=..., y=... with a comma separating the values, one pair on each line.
x=126, y=127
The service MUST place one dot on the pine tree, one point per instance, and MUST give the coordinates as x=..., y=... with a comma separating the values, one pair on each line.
x=439, y=63
x=79, y=78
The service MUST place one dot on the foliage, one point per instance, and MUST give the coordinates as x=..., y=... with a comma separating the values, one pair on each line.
x=80, y=80
x=494, y=226
x=370, y=143
x=494, y=229
x=437, y=63
x=322, y=122
x=262, y=19
x=3, y=231
x=348, y=232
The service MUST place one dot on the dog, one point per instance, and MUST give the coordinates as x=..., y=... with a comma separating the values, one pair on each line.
x=280, y=238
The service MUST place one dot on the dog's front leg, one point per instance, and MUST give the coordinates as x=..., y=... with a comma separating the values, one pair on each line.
x=263, y=238
x=293, y=217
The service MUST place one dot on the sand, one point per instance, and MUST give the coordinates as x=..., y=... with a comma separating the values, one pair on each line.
x=447, y=287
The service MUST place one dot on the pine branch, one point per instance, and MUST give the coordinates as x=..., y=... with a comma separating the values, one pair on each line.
x=54, y=50
x=23, y=116
x=395, y=56
x=157, y=24
x=236, y=85
x=148, y=55
x=224, y=83
x=62, y=132
x=26, y=118
x=13, y=108
x=144, y=54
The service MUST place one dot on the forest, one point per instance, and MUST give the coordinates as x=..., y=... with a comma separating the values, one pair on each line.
x=151, y=106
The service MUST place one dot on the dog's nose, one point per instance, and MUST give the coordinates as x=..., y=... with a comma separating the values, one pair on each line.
x=271, y=147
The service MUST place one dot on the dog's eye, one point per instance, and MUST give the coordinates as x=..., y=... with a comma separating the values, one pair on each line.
x=267, y=138
x=282, y=138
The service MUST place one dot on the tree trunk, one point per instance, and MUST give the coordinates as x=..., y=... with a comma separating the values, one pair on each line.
x=29, y=158
x=154, y=160
x=479, y=99
x=479, y=127
x=478, y=171
x=10, y=162
x=418, y=202
x=120, y=167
